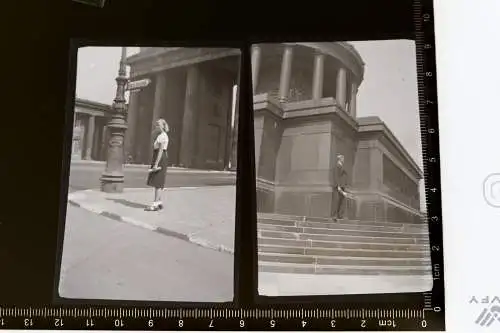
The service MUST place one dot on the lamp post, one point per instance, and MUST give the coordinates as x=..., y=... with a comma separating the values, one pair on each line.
x=112, y=178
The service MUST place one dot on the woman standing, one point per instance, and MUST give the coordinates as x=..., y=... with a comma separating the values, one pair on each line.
x=158, y=170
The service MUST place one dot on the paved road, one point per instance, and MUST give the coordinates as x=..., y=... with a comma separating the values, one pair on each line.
x=104, y=259
x=84, y=177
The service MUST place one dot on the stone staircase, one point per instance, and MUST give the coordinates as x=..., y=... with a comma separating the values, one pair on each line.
x=306, y=245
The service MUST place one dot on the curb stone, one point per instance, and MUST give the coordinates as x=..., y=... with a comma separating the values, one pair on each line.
x=74, y=197
x=146, y=166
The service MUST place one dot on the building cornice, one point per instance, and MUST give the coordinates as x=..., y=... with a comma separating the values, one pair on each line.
x=85, y=103
x=345, y=53
x=376, y=125
x=159, y=59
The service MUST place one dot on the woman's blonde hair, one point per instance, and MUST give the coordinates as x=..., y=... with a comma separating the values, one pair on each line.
x=163, y=125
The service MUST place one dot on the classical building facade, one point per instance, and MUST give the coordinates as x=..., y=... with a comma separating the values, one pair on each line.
x=305, y=114
x=191, y=88
x=89, y=130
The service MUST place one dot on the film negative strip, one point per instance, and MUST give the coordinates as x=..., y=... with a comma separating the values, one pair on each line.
x=429, y=315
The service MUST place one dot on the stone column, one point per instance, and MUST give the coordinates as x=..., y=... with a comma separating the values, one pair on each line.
x=103, y=143
x=286, y=73
x=317, y=86
x=132, y=120
x=256, y=58
x=340, y=95
x=188, y=135
x=234, y=138
x=89, y=137
x=158, y=107
x=354, y=93
x=160, y=98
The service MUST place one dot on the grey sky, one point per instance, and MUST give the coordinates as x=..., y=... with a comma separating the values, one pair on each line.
x=389, y=89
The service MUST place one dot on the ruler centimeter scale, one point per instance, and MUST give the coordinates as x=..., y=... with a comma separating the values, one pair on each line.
x=215, y=319
x=427, y=92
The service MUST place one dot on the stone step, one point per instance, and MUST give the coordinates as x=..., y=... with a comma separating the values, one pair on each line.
x=344, y=225
x=268, y=267
x=356, y=261
x=325, y=231
x=342, y=245
x=343, y=238
x=272, y=216
x=355, y=253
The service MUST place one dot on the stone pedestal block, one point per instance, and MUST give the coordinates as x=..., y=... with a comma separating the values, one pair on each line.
x=268, y=132
x=306, y=157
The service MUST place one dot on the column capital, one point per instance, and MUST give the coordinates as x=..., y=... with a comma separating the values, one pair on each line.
x=318, y=53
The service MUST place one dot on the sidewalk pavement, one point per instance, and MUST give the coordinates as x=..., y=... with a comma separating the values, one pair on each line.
x=201, y=215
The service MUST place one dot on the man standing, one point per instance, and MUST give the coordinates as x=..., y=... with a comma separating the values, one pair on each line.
x=340, y=184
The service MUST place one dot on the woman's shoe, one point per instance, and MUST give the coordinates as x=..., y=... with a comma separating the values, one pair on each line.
x=151, y=208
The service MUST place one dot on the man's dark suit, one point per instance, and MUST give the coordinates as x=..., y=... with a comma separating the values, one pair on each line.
x=340, y=183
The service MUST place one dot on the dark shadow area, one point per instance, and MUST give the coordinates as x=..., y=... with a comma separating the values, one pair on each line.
x=130, y=204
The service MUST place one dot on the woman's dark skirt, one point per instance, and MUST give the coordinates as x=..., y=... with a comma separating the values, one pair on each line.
x=156, y=179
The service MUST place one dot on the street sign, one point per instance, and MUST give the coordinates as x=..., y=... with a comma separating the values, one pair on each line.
x=138, y=85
